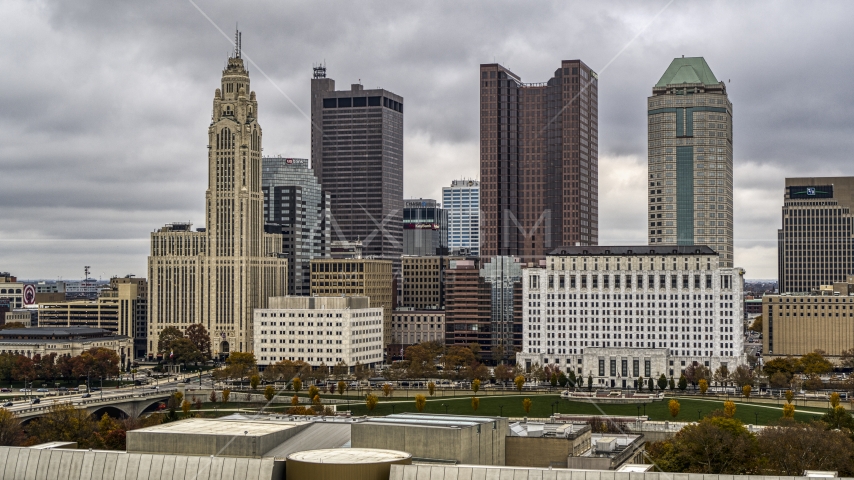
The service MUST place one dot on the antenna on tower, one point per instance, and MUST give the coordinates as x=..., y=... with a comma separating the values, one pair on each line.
x=320, y=70
x=236, y=42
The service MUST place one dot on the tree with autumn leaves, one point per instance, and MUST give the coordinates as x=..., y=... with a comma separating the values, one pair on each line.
x=191, y=346
x=97, y=362
x=286, y=370
x=11, y=431
x=721, y=444
x=64, y=422
x=238, y=365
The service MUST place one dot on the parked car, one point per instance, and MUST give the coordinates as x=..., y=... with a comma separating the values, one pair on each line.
x=86, y=395
x=36, y=400
x=25, y=390
x=5, y=389
x=42, y=390
x=8, y=404
x=161, y=406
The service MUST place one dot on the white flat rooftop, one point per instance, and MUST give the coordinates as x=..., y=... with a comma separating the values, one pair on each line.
x=206, y=426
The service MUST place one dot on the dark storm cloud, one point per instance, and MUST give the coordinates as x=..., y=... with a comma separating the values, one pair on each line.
x=105, y=105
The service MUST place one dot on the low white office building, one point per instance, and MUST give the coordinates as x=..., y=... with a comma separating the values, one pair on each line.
x=644, y=310
x=319, y=330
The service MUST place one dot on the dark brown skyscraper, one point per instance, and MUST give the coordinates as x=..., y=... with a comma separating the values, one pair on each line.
x=357, y=155
x=538, y=160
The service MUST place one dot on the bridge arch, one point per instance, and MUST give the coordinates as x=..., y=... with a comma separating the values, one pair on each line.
x=152, y=406
x=112, y=411
x=26, y=421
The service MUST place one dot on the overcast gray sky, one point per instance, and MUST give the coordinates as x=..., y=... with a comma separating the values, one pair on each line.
x=104, y=105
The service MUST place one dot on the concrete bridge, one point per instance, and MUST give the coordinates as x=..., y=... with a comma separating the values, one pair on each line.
x=117, y=406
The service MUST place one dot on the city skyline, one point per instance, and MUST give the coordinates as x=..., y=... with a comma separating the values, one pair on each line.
x=61, y=215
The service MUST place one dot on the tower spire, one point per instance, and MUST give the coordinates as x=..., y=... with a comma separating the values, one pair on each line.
x=238, y=37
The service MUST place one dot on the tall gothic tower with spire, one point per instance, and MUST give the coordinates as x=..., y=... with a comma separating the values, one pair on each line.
x=219, y=275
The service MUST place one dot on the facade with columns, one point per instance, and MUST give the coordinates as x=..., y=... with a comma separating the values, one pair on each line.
x=594, y=307
x=218, y=275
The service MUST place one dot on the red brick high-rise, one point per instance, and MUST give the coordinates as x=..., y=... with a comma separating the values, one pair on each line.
x=538, y=161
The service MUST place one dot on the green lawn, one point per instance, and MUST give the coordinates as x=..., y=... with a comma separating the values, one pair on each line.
x=690, y=408
x=541, y=407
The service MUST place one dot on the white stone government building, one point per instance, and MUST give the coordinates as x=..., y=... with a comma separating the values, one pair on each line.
x=623, y=312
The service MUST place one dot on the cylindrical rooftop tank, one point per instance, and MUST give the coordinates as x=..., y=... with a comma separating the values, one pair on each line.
x=344, y=463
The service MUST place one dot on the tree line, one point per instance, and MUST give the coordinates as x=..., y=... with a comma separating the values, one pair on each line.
x=721, y=444
x=97, y=362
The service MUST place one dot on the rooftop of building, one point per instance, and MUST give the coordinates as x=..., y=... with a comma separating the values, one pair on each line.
x=284, y=161
x=277, y=436
x=421, y=203
x=692, y=70
x=417, y=311
x=549, y=430
x=210, y=426
x=318, y=435
x=464, y=183
x=365, y=260
x=658, y=250
x=429, y=420
x=610, y=444
x=54, y=332
x=295, y=302
x=349, y=456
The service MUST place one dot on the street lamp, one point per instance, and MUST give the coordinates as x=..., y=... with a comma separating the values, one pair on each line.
x=501, y=410
x=699, y=413
x=638, y=407
x=756, y=417
x=446, y=408
x=644, y=409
